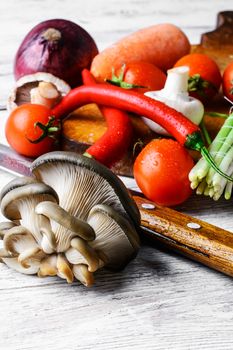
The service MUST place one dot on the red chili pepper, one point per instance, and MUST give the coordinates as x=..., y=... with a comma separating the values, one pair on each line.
x=115, y=141
x=181, y=128
x=103, y=94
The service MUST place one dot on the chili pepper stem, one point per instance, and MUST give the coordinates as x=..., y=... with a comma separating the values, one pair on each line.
x=88, y=155
x=198, y=84
x=218, y=115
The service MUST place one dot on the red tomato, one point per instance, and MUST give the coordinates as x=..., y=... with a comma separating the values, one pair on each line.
x=20, y=128
x=161, y=172
x=143, y=74
x=205, y=77
x=227, y=83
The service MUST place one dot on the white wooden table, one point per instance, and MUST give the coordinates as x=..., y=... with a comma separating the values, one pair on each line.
x=161, y=300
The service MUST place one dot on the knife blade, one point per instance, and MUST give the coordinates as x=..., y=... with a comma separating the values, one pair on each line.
x=191, y=237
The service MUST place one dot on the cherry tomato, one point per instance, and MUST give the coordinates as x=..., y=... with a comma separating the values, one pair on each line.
x=21, y=130
x=205, y=77
x=161, y=171
x=144, y=74
x=227, y=83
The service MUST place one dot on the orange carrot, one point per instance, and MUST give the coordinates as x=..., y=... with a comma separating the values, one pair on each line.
x=161, y=44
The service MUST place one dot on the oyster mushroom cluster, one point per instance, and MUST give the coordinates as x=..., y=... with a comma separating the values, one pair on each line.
x=73, y=217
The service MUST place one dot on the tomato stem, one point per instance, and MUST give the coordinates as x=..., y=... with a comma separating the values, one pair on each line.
x=197, y=84
x=119, y=80
x=114, y=143
x=48, y=129
x=180, y=127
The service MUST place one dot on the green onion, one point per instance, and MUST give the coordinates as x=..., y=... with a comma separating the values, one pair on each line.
x=203, y=177
x=228, y=190
x=205, y=133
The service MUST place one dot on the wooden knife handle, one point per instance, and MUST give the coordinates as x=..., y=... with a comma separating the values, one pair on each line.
x=191, y=237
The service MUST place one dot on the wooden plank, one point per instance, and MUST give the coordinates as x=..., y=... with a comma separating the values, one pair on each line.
x=160, y=301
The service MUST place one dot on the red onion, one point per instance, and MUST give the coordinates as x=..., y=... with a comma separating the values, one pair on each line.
x=57, y=46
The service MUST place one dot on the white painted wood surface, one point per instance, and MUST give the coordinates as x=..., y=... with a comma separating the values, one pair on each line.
x=160, y=301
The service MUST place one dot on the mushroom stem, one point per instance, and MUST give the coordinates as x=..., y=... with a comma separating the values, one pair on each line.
x=45, y=94
x=115, y=236
x=48, y=242
x=11, y=237
x=4, y=254
x=26, y=255
x=4, y=227
x=54, y=212
x=14, y=264
x=64, y=270
x=87, y=252
x=48, y=266
x=82, y=274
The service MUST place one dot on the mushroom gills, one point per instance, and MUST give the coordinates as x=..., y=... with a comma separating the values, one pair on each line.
x=82, y=183
x=64, y=221
x=82, y=253
x=4, y=227
x=13, y=263
x=20, y=243
x=82, y=274
x=116, y=238
x=116, y=241
x=18, y=201
x=74, y=218
x=54, y=265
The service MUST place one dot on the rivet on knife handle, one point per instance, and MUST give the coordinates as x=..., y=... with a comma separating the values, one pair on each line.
x=191, y=237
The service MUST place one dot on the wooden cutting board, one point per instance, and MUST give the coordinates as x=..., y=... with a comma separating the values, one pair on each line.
x=86, y=125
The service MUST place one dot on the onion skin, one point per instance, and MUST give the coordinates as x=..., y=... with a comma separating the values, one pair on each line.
x=64, y=54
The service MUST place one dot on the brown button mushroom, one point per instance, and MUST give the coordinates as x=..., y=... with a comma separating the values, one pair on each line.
x=40, y=88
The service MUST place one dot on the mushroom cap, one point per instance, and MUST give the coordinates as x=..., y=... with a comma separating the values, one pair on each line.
x=20, y=188
x=17, y=182
x=15, y=265
x=121, y=195
x=5, y=226
x=20, y=93
x=115, y=236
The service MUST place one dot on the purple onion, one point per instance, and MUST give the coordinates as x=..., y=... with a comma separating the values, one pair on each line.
x=56, y=46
